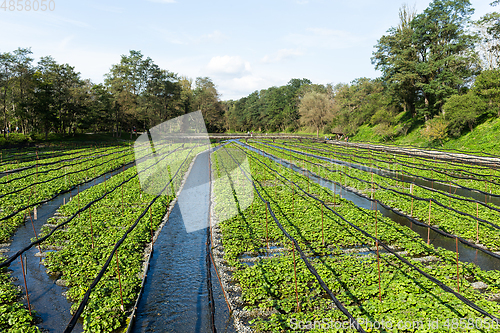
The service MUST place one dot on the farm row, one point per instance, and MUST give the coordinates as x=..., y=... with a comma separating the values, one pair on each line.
x=468, y=218
x=339, y=240
x=83, y=235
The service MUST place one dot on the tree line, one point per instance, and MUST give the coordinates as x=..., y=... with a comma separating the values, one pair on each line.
x=439, y=68
x=51, y=97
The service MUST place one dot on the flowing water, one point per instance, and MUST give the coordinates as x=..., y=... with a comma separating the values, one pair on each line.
x=44, y=294
x=175, y=296
x=453, y=190
x=466, y=253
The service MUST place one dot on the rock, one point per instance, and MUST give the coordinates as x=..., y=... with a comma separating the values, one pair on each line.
x=62, y=283
x=40, y=254
x=480, y=285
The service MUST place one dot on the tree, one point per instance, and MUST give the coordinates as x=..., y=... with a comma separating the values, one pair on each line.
x=23, y=89
x=6, y=77
x=127, y=81
x=489, y=30
x=101, y=112
x=397, y=57
x=206, y=99
x=487, y=86
x=356, y=103
x=162, y=97
x=429, y=56
x=315, y=110
x=447, y=60
x=462, y=110
x=144, y=93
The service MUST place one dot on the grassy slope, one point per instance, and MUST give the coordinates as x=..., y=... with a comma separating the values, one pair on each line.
x=485, y=136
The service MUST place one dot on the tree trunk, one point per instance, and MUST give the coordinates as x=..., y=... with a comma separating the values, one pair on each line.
x=317, y=132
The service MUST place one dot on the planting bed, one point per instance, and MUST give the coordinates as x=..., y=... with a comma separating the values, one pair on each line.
x=278, y=290
x=294, y=255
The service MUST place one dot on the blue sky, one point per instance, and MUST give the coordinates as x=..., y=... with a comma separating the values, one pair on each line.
x=243, y=45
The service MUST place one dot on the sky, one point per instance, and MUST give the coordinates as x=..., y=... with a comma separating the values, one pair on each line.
x=242, y=45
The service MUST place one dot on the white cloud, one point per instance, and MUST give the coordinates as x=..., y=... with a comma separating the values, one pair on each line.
x=280, y=55
x=248, y=83
x=239, y=87
x=224, y=65
x=325, y=38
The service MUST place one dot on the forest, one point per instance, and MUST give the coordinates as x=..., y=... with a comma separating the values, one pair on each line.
x=439, y=69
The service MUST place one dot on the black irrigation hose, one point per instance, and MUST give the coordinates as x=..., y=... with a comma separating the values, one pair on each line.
x=409, y=166
x=43, y=155
x=462, y=240
x=411, y=182
x=444, y=150
x=211, y=301
x=53, y=162
x=415, y=197
x=406, y=173
x=42, y=239
x=66, y=174
x=471, y=165
x=302, y=255
x=469, y=159
x=64, y=191
x=47, y=154
x=419, y=166
x=403, y=153
x=86, y=297
x=400, y=214
x=58, y=168
x=459, y=160
x=388, y=249
x=59, y=193
x=414, y=166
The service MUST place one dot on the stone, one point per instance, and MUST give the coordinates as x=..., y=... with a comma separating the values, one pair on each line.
x=480, y=285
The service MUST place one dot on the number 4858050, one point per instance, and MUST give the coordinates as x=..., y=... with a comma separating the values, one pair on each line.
x=28, y=5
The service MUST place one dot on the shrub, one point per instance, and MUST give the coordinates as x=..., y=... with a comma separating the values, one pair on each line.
x=462, y=110
x=436, y=129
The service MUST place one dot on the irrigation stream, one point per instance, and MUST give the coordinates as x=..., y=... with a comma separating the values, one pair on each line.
x=46, y=297
x=397, y=175
x=175, y=296
x=466, y=253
